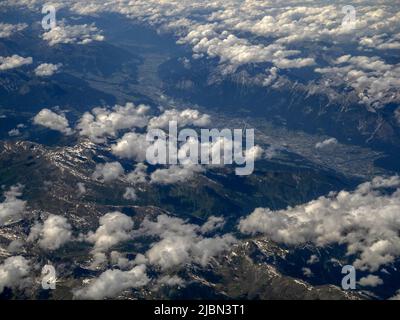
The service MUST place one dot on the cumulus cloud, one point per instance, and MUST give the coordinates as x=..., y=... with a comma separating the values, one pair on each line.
x=14, y=132
x=370, y=281
x=254, y=153
x=120, y=260
x=231, y=32
x=294, y=63
x=101, y=123
x=373, y=80
x=176, y=251
x=295, y=35
x=213, y=223
x=135, y=145
x=14, y=272
x=166, y=226
x=112, y=282
x=81, y=188
x=52, y=234
x=105, y=122
x=131, y=146
x=313, y=259
x=108, y=172
x=218, y=152
x=65, y=34
x=15, y=246
x=6, y=29
x=380, y=42
x=181, y=243
x=114, y=228
x=170, y=252
x=234, y=51
x=53, y=121
x=138, y=175
x=207, y=248
x=396, y=296
x=188, y=117
x=130, y=194
x=175, y=174
x=307, y=272
x=47, y=69
x=326, y=143
x=171, y=281
x=273, y=75
x=366, y=220
x=14, y=61
x=12, y=208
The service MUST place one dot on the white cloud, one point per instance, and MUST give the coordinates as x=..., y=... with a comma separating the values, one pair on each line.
x=166, y=226
x=14, y=272
x=212, y=224
x=140, y=259
x=326, y=143
x=52, y=234
x=170, y=252
x=380, y=42
x=175, y=174
x=47, y=69
x=366, y=220
x=80, y=34
x=207, y=248
x=181, y=243
x=108, y=172
x=188, y=117
x=254, y=32
x=254, y=153
x=273, y=75
x=370, y=281
x=14, y=132
x=234, y=51
x=15, y=246
x=120, y=260
x=81, y=188
x=14, y=61
x=104, y=122
x=131, y=146
x=396, y=296
x=114, y=228
x=130, y=194
x=313, y=259
x=307, y=272
x=6, y=29
x=220, y=150
x=99, y=260
x=138, y=175
x=171, y=281
x=30, y=4
x=373, y=80
x=294, y=63
x=112, y=282
x=176, y=251
x=52, y=120
x=12, y=208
